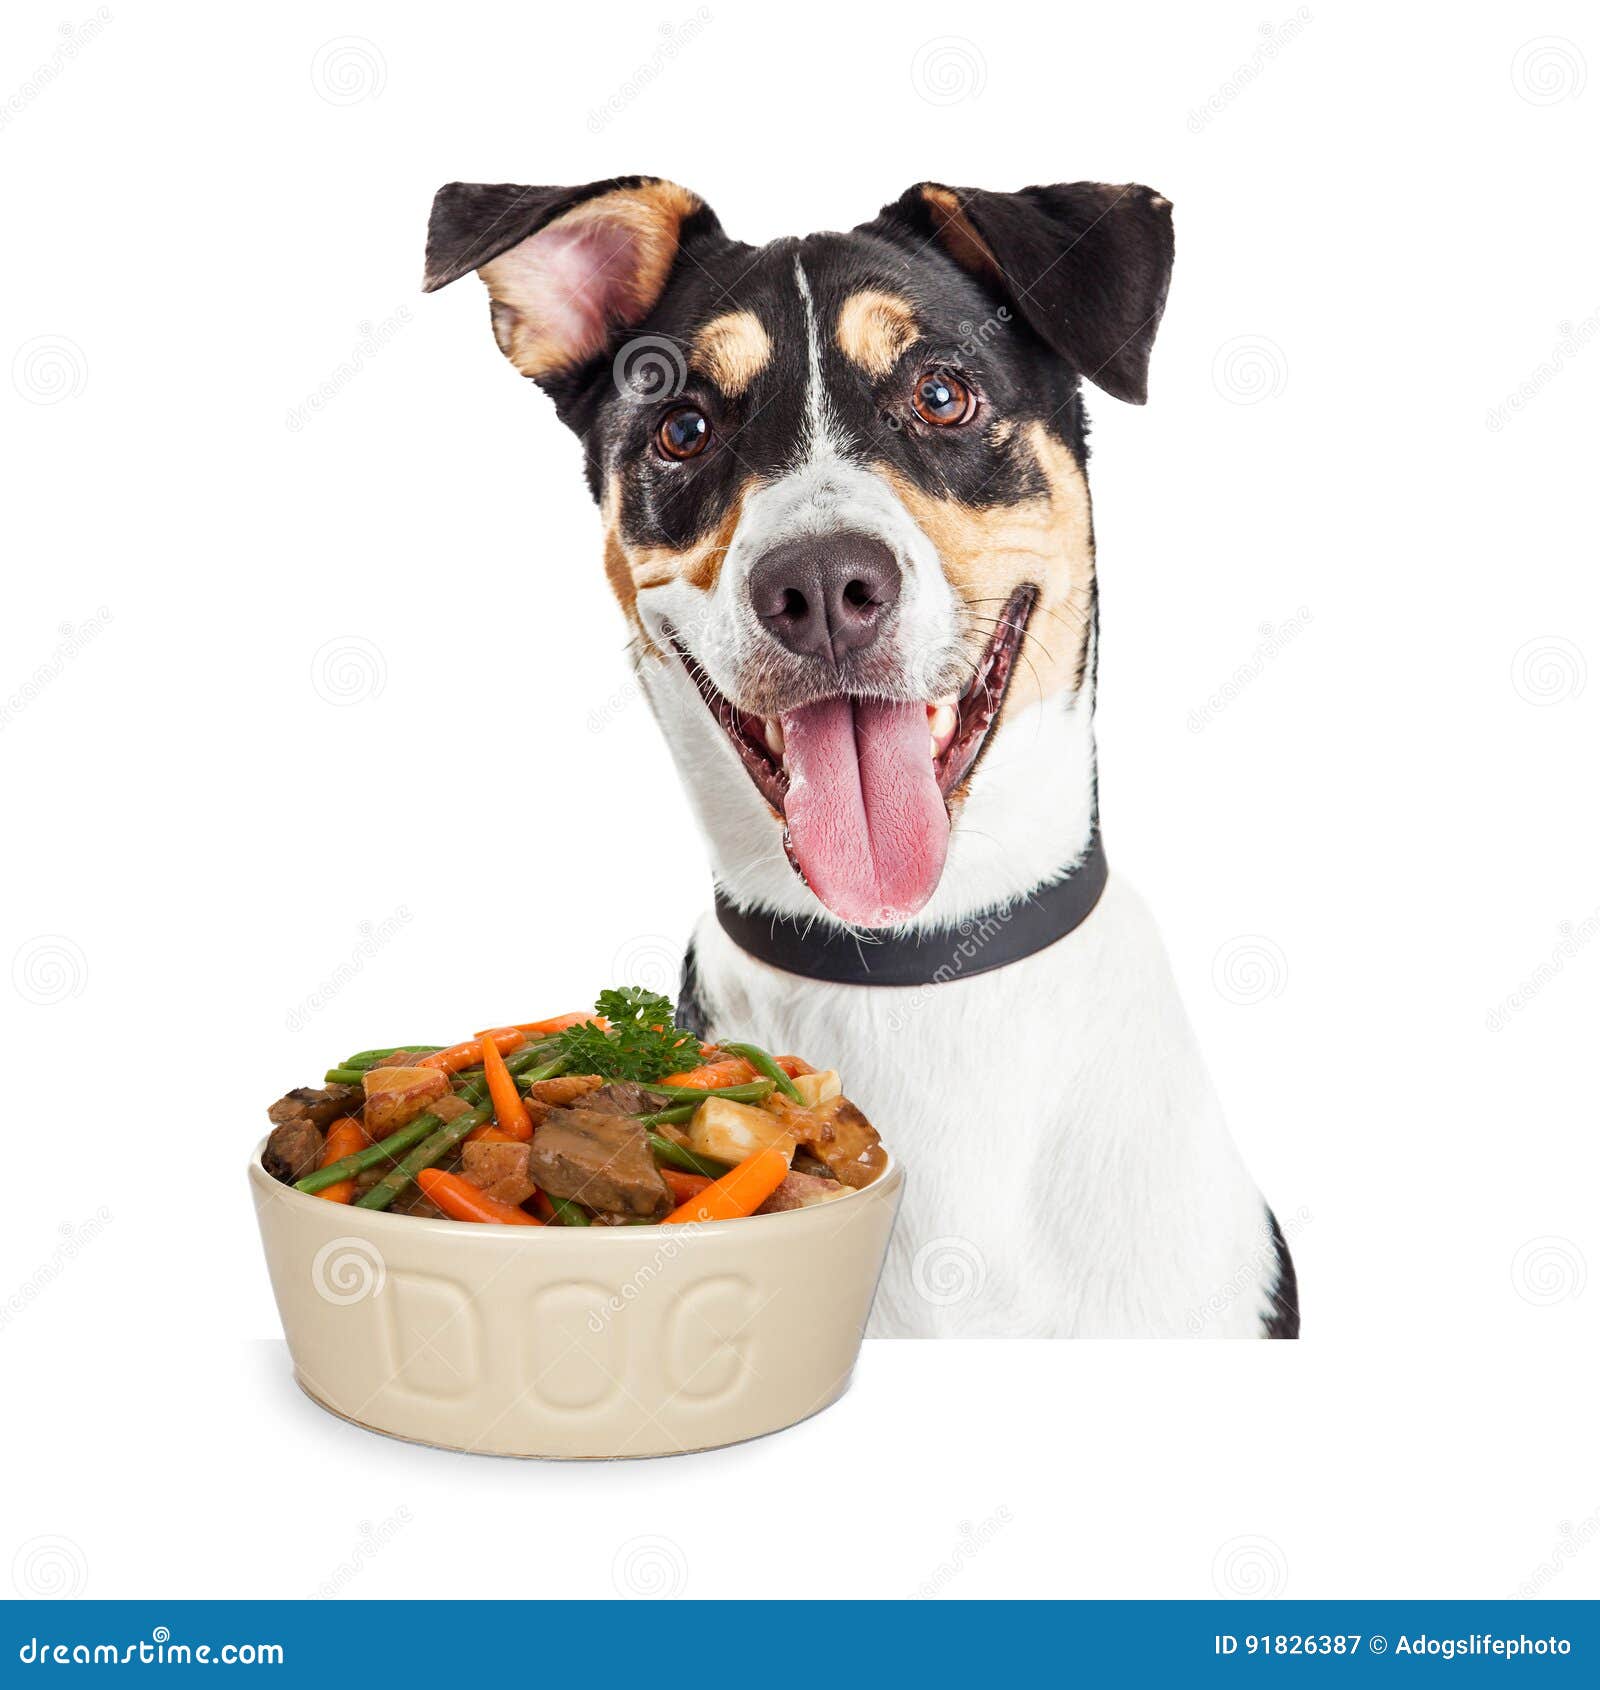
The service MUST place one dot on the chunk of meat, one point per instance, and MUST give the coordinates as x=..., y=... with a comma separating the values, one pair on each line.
x=564, y=1089
x=450, y=1108
x=600, y=1160
x=802, y=1191
x=499, y=1170
x=836, y=1133
x=397, y=1096
x=321, y=1106
x=293, y=1150
x=624, y=1097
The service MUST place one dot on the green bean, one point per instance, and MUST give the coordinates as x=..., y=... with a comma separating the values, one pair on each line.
x=433, y=1148
x=764, y=1063
x=752, y=1091
x=677, y=1156
x=545, y=1071
x=675, y=1116
x=365, y=1059
x=403, y=1138
x=568, y=1212
x=342, y=1077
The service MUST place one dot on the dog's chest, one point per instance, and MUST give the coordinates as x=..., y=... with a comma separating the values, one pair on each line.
x=1057, y=1127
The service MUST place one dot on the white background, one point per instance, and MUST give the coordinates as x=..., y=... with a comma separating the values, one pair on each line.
x=337, y=666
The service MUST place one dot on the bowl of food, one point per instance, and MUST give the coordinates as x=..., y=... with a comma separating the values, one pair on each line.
x=588, y=1237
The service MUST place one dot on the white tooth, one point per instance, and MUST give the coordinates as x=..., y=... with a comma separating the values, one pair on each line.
x=942, y=723
x=945, y=703
x=773, y=729
x=933, y=749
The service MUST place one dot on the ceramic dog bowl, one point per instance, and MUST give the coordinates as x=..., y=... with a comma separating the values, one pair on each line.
x=578, y=1342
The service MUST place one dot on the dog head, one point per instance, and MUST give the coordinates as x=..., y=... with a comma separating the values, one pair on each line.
x=841, y=477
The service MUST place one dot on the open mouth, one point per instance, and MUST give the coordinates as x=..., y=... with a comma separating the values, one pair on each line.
x=864, y=784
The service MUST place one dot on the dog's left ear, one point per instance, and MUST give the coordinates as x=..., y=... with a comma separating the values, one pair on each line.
x=565, y=267
x=1085, y=264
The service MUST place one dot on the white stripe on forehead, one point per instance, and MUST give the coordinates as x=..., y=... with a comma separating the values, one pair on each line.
x=823, y=438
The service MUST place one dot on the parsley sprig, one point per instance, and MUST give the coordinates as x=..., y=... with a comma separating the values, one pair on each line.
x=642, y=1045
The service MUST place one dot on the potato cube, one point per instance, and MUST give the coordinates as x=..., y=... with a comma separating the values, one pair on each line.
x=818, y=1088
x=396, y=1096
x=730, y=1131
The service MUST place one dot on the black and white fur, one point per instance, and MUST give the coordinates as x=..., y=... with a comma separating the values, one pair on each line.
x=1070, y=1171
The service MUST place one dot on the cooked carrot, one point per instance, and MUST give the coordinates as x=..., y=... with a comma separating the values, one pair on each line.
x=559, y=1024
x=345, y=1138
x=469, y=1052
x=510, y=1113
x=488, y=1133
x=730, y=1071
x=461, y=1200
x=739, y=1192
x=684, y=1186
x=795, y=1066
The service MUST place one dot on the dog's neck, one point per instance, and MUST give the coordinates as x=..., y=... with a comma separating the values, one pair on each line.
x=1028, y=821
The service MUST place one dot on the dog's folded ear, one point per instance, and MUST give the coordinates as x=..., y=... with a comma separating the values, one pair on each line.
x=1084, y=263
x=566, y=268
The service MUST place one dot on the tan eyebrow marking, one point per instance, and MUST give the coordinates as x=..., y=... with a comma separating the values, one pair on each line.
x=733, y=350
x=875, y=329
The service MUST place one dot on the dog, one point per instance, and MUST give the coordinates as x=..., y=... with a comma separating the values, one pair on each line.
x=842, y=486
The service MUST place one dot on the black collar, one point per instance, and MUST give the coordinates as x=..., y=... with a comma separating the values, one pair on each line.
x=989, y=939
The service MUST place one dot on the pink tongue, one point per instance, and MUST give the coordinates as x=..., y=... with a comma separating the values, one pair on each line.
x=866, y=820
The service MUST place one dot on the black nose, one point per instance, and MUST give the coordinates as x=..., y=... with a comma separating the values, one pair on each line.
x=827, y=595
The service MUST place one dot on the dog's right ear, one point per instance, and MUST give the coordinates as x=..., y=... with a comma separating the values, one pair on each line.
x=566, y=268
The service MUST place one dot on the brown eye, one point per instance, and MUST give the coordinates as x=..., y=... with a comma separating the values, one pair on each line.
x=683, y=433
x=943, y=400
